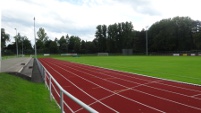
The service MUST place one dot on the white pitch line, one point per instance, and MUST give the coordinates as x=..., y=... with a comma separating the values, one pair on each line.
x=118, y=94
x=139, y=83
x=148, y=80
x=80, y=88
x=141, y=75
x=146, y=93
x=196, y=95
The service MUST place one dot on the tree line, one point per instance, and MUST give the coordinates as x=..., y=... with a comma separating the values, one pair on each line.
x=173, y=34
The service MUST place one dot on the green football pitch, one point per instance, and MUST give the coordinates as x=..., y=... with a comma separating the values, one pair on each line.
x=182, y=68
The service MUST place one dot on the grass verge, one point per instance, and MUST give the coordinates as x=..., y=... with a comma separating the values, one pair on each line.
x=185, y=68
x=21, y=96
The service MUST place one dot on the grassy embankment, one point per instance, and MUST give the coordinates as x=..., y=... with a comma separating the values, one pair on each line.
x=21, y=96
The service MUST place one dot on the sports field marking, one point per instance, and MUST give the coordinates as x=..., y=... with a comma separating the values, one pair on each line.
x=111, y=92
x=127, y=88
x=62, y=65
x=95, y=87
x=67, y=86
x=141, y=79
x=125, y=67
x=80, y=88
x=109, y=78
x=151, y=94
x=155, y=87
x=196, y=95
x=148, y=85
x=117, y=72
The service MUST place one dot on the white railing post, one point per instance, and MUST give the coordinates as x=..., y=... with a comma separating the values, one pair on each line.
x=62, y=92
x=61, y=101
x=50, y=87
x=45, y=77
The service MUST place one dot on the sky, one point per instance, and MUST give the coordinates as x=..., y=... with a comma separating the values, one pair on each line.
x=80, y=17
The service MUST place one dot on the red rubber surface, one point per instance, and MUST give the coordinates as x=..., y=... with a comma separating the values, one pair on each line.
x=113, y=91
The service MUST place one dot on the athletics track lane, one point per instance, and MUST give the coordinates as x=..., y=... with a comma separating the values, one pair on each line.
x=113, y=91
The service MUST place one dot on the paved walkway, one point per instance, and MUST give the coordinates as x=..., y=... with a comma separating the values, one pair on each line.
x=24, y=67
x=14, y=64
x=27, y=69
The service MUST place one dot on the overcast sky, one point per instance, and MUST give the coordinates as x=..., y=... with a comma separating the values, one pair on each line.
x=80, y=17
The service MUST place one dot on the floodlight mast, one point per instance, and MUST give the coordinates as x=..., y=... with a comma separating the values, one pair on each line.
x=147, y=53
x=35, y=40
x=22, y=45
x=0, y=56
x=67, y=40
x=16, y=41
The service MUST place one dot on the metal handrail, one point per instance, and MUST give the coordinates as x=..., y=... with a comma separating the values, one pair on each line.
x=62, y=91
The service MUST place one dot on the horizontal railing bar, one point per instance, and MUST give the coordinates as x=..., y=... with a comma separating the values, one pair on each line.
x=69, y=95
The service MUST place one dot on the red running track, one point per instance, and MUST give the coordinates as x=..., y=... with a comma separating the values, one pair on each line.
x=113, y=91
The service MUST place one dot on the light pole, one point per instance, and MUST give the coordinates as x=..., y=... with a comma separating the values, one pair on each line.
x=67, y=40
x=57, y=42
x=147, y=41
x=0, y=53
x=0, y=56
x=22, y=45
x=35, y=40
x=16, y=42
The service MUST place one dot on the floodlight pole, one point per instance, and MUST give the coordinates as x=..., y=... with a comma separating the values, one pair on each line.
x=16, y=41
x=0, y=55
x=147, y=41
x=66, y=44
x=22, y=46
x=35, y=40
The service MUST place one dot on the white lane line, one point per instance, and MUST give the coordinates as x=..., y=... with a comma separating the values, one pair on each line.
x=80, y=88
x=150, y=107
x=142, y=91
x=117, y=73
x=139, y=83
x=196, y=95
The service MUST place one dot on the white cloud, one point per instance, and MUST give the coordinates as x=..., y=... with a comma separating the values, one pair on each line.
x=80, y=17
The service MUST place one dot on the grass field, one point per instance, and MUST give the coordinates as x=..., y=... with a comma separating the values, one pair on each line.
x=21, y=96
x=185, y=68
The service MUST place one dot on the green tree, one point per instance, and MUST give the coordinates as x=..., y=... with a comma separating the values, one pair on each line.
x=171, y=35
x=197, y=40
x=101, y=38
x=4, y=38
x=53, y=48
x=120, y=36
x=42, y=39
x=63, y=44
x=113, y=41
x=42, y=35
x=127, y=35
x=139, y=41
x=83, y=47
x=27, y=47
x=11, y=49
x=74, y=44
